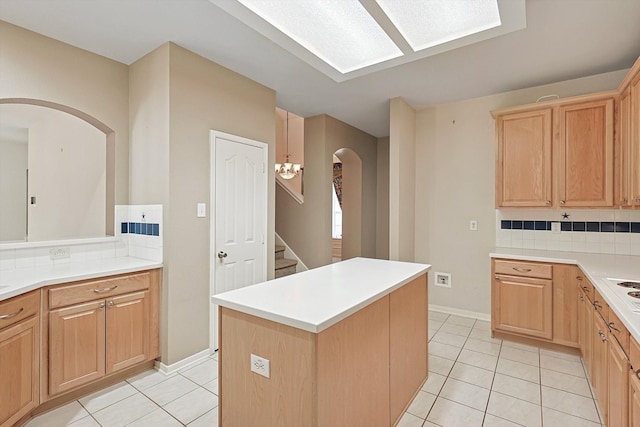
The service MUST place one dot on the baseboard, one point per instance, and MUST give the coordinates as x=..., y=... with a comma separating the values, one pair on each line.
x=184, y=363
x=461, y=313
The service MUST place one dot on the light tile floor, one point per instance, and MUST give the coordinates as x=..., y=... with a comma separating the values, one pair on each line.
x=474, y=380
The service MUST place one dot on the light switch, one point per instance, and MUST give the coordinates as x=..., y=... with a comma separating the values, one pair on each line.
x=202, y=210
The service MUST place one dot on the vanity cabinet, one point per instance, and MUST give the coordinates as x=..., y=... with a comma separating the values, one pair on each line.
x=19, y=356
x=557, y=153
x=98, y=327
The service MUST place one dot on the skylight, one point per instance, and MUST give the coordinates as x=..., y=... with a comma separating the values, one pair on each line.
x=340, y=32
x=350, y=38
x=429, y=23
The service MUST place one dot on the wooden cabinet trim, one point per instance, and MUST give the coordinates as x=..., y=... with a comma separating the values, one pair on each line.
x=523, y=269
x=70, y=294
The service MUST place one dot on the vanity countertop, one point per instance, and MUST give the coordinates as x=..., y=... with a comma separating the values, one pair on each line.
x=316, y=299
x=598, y=268
x=21, y=280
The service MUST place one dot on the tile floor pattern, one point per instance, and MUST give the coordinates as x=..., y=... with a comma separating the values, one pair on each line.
x=474, y=380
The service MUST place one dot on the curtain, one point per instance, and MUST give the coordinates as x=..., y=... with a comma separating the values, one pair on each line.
x=337, y=181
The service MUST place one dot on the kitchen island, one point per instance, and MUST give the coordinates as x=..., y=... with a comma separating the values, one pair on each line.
x=340, y=345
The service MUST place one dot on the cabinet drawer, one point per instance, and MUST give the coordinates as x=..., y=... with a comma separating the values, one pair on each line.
x=526, y=269
x=87, y=291
x=18, y=308
x=587, y=288
x=619, y=331
x=600, y=305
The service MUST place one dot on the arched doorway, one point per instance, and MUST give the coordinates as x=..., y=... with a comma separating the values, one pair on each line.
x=347, y=185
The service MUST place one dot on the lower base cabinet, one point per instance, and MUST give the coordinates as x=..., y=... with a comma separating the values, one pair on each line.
x=19, y=353
x=618, y=376
x=98, y=327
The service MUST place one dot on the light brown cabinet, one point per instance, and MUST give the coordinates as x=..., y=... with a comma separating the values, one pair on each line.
x=556, y=154
x=618, y=377
x=536, y=300
x=634, y=384
x=19, y=357
x=599, y=360
x=522, y=300
x=634, y=111
x=98, y=327
x=523, y=159
x=585, y=154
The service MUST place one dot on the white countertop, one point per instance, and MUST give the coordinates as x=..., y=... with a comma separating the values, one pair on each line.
x=316, y=299
x=597, y=267
x=19, y=281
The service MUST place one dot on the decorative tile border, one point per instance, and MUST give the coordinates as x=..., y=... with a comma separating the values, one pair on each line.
x=140, y=228
x=588, y=226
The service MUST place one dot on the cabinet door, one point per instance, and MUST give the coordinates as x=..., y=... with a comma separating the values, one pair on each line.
x=588, y=327
x=585, y=154
x=635, y=140
x=618, y=373
x=634, y=399
x=76, y=345
x=19, y=361
x=565, y=305
x=127, y=329
x=600, y=380
x=523, y=169
x=522, y=305
x=623, y=193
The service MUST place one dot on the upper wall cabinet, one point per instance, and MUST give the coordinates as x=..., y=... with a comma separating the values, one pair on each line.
x=627, y=177
x=585, y=154
x=523, y=159
x=556, y=154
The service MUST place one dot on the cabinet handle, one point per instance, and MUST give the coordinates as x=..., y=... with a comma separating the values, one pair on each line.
x=101, y=306
x=110, y=304
x=603, y=337
x=624, y=201
x=638, y=374
x=562, y=202
x=10, y=315
x=580, y=298
x=637, y=199
x=597, y=304
x=497, y=278
x=548, y=202
x=579, y=278
x=103, y=290
x=586, y=289
x=613, y=328
x=522, y=270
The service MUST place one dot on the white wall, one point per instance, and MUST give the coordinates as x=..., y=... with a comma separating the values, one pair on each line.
x=454, y=181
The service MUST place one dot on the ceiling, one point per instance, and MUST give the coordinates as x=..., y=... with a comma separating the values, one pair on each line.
x=564, y=39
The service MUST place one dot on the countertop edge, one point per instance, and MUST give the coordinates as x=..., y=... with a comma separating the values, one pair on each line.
x=53, y=279
x=614, y=304
x=330, y=320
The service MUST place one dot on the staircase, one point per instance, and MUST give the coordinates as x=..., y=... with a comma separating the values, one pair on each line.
x=284, y=267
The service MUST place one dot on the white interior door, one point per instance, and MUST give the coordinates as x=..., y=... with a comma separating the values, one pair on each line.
x=239, y=216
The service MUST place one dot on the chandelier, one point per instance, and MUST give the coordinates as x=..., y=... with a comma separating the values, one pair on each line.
x=288, y=170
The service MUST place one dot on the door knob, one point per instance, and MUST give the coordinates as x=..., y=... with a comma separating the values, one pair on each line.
x=222, y=254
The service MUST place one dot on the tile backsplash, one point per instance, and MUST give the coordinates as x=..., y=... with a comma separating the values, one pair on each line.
x=144, y=241
x=594, y=231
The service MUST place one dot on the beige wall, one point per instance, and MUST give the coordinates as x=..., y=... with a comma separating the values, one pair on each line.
x=402, y=164
x=67, y=158
x=306, y=228
x=455, y=184
x=177, y=98
x=13, y=188
x=37, y=67
x=382, y=204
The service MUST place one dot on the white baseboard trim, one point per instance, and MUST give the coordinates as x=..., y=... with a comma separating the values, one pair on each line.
x=184, y=363
x=461, y=313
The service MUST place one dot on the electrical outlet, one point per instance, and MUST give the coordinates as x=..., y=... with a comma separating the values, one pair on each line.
x=260, y=366
x=443, y=280
x=473, y=225
x=59, y=253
